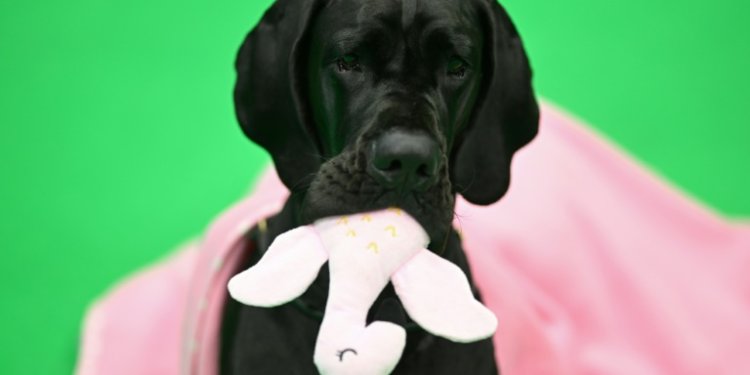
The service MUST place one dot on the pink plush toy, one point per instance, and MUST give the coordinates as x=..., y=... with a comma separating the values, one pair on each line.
x=364, y=252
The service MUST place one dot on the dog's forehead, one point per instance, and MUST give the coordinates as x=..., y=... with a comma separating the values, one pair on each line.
x=403, y=14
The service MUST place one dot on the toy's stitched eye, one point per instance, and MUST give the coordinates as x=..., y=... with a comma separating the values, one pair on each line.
x=341, y=353
x=348, y=63
x=457, y=67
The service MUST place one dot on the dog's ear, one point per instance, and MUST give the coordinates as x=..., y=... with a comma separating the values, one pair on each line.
x=269, y=95
x=505, y=118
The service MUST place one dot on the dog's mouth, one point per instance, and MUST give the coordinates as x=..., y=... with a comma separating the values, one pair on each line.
x=342, y=186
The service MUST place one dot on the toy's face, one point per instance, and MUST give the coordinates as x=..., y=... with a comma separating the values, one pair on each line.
x=370, y=246
x=390, y=85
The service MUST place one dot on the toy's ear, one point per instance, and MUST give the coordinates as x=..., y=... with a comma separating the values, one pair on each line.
x=437, y=295
x=286, y=270
x=506, y=116
x=269, y=94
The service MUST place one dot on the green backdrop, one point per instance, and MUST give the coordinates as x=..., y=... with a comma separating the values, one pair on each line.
x=118, y=140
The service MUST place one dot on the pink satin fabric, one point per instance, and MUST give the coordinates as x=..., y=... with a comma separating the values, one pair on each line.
x=591, y=264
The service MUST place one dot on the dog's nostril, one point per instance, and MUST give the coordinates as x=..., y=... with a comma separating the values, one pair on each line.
x=395, y=165
x=422, y=171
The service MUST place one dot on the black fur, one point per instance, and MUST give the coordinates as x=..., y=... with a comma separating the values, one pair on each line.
x=318, y=81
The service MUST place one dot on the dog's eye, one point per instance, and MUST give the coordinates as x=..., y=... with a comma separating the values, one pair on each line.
x=348, y=62
x=457, y=67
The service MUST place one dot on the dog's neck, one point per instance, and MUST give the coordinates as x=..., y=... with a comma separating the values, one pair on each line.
x=288, y=218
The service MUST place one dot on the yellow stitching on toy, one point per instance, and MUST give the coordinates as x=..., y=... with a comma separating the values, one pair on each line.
x=395, y=210
x=391, y=229
x=374, y=247
x=343, y=220
x=366, y=218
x=351, y=233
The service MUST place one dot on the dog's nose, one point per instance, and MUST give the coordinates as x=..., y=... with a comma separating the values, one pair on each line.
x=403, y=160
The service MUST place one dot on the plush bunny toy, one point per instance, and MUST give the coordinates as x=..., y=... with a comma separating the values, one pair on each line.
x=364, y=252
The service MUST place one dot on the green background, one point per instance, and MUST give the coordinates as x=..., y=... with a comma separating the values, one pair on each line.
x=118, y=140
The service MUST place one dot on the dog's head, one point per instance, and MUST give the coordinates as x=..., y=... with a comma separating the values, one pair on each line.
x=369, y=104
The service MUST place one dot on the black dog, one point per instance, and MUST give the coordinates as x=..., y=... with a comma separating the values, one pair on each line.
x=368, y=104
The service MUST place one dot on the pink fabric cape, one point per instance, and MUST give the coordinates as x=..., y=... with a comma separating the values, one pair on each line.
x=591, y=264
